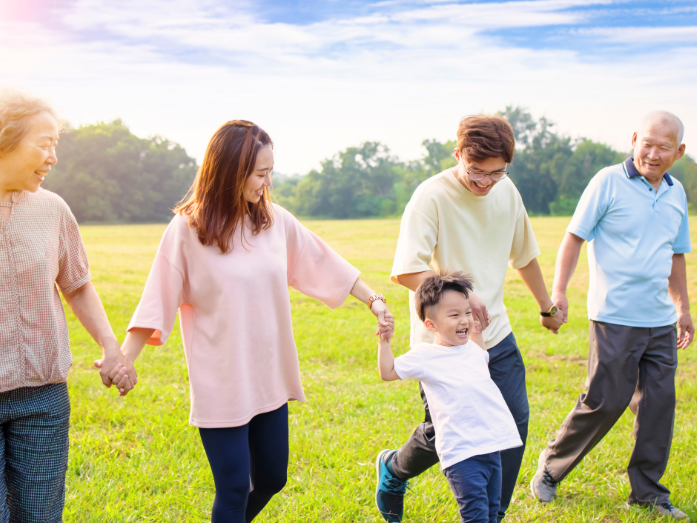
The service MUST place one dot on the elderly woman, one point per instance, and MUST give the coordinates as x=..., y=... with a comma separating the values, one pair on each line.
x=225, y=262
x=40, y=252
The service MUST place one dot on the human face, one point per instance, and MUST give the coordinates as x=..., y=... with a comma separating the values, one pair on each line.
x=480, y=187
x=260, y=178
x=656, y=148
x=25, y=168
x=451, y=320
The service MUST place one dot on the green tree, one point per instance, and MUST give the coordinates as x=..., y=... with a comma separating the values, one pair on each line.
x=107, y=174
x=685, y=170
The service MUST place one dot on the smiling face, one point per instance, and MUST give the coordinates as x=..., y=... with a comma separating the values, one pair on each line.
x=480, y=187
x=451, y=319
x=656, y=148
x=260, y=179
x=24, y=168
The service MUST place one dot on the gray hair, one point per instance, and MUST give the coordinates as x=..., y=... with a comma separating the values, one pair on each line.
x=15, y=108
x=664, y=117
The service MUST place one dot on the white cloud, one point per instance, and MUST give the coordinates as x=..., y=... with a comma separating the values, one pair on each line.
x=182, y=68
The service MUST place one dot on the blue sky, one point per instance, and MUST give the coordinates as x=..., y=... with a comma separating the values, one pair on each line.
x=321, y=76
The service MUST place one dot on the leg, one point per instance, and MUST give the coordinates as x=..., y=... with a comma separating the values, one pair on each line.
x=4, y=511
x=613, y=365
x=653, y=427
x=268, y=446
x=493, y=489
x=508, y=372
x=469, y=480
x=418, y=454
x=228, y=454
x=36, y=453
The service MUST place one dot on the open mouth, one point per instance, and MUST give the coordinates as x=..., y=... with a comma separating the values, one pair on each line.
x=479, y=186
x=461, y=333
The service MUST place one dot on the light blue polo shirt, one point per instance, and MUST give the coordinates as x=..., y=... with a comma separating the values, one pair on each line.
x=632, y=233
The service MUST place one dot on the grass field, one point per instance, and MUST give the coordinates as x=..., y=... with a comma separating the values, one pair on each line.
x=136, y=458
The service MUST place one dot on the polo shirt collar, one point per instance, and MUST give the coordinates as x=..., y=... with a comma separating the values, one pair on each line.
x=633, y=173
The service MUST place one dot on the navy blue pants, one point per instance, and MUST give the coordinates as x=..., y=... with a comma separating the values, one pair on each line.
x=249, y=464
x=34, y=425
x=476, y=483
x=508, y=372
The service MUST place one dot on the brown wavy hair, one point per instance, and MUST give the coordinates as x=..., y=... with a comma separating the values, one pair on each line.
x=481, y=136
x=215, y=202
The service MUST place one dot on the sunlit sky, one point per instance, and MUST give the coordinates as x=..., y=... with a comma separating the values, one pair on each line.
x=320, y=76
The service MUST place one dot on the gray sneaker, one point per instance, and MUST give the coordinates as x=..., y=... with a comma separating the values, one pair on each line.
x=543, y=485
x=665, y=509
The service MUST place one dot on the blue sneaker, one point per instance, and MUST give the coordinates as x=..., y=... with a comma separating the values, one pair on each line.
x=389, y=494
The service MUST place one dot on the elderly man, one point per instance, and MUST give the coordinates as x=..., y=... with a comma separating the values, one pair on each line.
x=634, y=216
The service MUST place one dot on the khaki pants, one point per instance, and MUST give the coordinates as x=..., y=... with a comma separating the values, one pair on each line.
x=624, y=362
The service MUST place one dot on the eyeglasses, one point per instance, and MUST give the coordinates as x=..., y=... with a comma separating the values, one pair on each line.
x=475, y=176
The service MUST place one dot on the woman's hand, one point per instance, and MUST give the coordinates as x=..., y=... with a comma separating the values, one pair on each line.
x=385, y=319
x=115, y=369
x=479, y=311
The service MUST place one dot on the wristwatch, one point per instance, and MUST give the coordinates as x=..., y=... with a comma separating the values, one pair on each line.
x=551, y=312
x=375, y=297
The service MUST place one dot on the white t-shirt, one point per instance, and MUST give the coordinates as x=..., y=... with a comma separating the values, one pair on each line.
x=445, y=226
x=469, y=413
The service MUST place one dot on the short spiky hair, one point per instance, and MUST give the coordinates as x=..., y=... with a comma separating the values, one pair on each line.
x=431, y=290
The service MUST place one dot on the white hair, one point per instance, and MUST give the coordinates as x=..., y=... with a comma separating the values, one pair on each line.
x=664, y=117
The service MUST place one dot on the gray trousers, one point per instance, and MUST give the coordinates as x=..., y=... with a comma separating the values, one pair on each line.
x=624, y=363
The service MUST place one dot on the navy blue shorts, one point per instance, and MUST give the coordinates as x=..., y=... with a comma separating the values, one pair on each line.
x=34, y=424
x=476, y=483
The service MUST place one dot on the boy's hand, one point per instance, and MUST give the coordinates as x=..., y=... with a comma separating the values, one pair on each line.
x=386, y=332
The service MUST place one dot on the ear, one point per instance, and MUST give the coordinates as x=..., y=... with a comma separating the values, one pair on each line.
x=457, y=154
x=429, y=325
x=681, y=151
x=634, y=137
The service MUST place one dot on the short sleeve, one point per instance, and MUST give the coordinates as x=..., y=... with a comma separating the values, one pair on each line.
x=524, y=248
x=410, y=365
x=418, y=235
x=162, y=296
x=590, y=209
x=682, y=243
x=73, y=267
x=314, y=268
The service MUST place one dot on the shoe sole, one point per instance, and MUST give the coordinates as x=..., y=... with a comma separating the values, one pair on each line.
x=532, y=482
x=378, y=461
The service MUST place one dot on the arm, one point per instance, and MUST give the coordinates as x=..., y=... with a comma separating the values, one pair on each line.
x=134, y=343
x=677, y=288
x=413, y=280
x=362, y=292
x=532, y=276
x=386, y=361
x=567, y=258
x=88, y=308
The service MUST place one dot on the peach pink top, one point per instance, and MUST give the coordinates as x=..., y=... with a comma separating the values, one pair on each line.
x=234, y=311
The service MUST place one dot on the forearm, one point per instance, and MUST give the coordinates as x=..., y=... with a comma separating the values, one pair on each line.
x=567, y=258
x=413, y=280
x=361, y=291
x=677, y=284
x=88, y=308
x=386, y=361
x=532, y=276
x=135, y=342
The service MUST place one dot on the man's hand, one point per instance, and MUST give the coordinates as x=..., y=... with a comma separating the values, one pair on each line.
x=562, y=303
x=552, y=323
x=686, y=330
x=479, y=311
x=115, y=369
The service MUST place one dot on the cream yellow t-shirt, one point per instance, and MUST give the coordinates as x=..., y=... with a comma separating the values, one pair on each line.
x=445, y=226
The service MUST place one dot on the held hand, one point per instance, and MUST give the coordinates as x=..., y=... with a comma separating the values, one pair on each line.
x=479, y=311
x=552, y=323
x=385, y=318
x=686, y=330
x=114, y=367
x=560, y=300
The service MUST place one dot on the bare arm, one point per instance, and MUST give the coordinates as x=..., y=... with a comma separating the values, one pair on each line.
x=88, y=308
x=135, y=342
x=362, y=292
x=567, y=258
x=532, y=276
x=386, y=361
x=413, y=280
x=677, y=288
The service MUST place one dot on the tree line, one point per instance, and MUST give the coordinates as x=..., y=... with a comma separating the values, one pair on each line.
x=107, y=174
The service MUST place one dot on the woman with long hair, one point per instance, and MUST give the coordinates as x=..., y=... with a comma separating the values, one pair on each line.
x=225, y=262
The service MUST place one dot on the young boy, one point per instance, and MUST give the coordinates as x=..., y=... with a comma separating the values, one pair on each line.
x=471, y=418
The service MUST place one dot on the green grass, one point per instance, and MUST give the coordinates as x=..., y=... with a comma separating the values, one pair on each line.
x=137, y=459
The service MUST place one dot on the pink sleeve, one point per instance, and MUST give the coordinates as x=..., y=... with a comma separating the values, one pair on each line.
x=161, y=298
x=314, y=268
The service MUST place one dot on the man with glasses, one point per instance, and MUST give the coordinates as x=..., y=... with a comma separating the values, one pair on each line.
x=469, y=218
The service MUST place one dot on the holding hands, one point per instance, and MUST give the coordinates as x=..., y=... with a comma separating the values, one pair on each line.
x=115, y=369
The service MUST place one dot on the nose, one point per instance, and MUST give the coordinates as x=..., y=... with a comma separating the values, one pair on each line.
x=52, y=158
